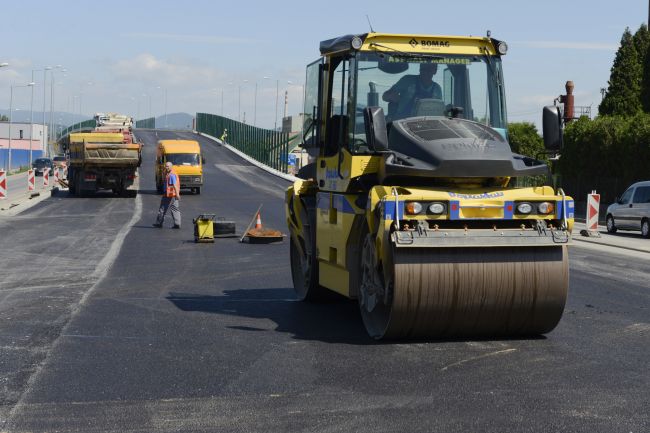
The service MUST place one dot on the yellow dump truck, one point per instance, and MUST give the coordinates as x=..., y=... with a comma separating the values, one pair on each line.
x=185, y=156
x=415, y=204
x=102, y=160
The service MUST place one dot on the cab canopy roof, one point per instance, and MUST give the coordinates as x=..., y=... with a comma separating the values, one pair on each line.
x=179, y=146
x=419, y=44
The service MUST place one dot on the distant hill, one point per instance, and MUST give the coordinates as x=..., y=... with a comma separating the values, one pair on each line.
x=175, y=121
x=22, y=116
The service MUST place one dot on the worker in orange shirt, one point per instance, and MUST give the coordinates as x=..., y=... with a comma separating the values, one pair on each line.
x=170, y=199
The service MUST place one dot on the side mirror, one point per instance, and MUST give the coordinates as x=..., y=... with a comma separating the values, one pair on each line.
x=552, y=127
x=376, y=132
x=203, y=160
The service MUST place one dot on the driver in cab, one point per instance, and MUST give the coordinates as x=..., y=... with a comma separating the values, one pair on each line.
x=402, y=96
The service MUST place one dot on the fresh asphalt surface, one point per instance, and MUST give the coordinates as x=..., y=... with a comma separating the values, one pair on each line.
x=110, y=325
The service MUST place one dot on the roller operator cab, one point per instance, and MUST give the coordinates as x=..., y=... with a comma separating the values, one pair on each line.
x=185, y=156
x=415, y=204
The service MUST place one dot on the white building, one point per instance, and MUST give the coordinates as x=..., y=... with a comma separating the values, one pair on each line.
x=21, y=131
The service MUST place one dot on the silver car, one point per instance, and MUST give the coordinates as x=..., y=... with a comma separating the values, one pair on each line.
x=631, y=211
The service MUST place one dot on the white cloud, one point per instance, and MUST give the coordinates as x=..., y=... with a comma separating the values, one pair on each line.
x=567, y=45
x=149, y=69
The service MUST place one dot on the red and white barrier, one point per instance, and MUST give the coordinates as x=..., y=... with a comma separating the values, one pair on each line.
x=46, y=177
x=3, y=185
x=30, y=180
x=56, y=176
x=593, y=204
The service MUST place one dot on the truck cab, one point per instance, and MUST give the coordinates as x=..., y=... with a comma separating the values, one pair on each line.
x=185, y=156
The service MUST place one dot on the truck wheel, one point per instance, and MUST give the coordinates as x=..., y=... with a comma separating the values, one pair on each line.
x=197, y=190
x=77, y=179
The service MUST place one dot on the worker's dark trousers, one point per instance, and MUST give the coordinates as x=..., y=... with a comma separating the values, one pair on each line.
x=172, y=204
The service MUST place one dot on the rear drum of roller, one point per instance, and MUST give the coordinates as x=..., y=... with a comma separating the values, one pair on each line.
x=472, y=292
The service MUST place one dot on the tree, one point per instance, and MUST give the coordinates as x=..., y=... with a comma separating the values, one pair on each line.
x=641, y=40
x=3, y=118
x=623, y=95
x=525, y=140
x=645, y=84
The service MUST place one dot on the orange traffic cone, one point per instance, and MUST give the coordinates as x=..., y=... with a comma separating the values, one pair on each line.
x=258, y=222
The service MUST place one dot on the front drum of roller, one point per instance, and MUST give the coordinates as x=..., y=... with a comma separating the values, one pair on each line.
x=473, y=292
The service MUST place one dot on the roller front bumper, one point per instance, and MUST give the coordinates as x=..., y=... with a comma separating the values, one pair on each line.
x=426, y=238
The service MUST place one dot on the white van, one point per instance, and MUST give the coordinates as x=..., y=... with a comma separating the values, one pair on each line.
x=631, y=211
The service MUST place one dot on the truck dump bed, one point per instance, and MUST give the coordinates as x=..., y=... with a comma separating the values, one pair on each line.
x=103, y=149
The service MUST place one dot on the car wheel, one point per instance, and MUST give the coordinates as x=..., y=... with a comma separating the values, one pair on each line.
x=645, y=228
x=611, y=227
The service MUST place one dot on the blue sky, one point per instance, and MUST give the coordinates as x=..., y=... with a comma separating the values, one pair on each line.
x=131, y=53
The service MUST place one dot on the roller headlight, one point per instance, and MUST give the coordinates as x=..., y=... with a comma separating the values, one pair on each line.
x=356, y=42
x=545, y=208
x=502, y=48
x=437, y=208
x=413, y=208
x=524, y=208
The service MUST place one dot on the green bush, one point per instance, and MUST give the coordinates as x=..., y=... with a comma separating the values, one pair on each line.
x=606, y=154
x=608, y=146
x=525, y=140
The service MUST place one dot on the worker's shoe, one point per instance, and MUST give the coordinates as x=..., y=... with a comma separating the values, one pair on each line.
x=157, y=225
x=176, y=226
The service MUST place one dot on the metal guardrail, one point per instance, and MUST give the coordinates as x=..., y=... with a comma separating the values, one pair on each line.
x=86, y=124
x=264, y=145
x=149, y=123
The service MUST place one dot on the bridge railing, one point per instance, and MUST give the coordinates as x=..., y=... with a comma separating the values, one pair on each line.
x=85, y=125
x=264, y=145
x=149, y=123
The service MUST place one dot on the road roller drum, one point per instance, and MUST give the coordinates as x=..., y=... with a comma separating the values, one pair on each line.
x=470, y=292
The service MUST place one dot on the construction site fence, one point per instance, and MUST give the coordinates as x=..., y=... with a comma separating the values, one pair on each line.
x=149, y=123
x=264, y=145
x=579, y=187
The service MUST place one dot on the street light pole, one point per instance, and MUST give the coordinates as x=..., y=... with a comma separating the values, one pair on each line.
x=45, y=144
x=11, y=117
x=255, y=106
x=31, y=121
x=277, y=94
x=51, y=133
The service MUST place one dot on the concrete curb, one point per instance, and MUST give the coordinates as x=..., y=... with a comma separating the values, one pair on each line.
x=285, y=176
x=24, y=202
x=592, y=241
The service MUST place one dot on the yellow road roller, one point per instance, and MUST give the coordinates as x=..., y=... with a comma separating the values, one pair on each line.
x=414, y=203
